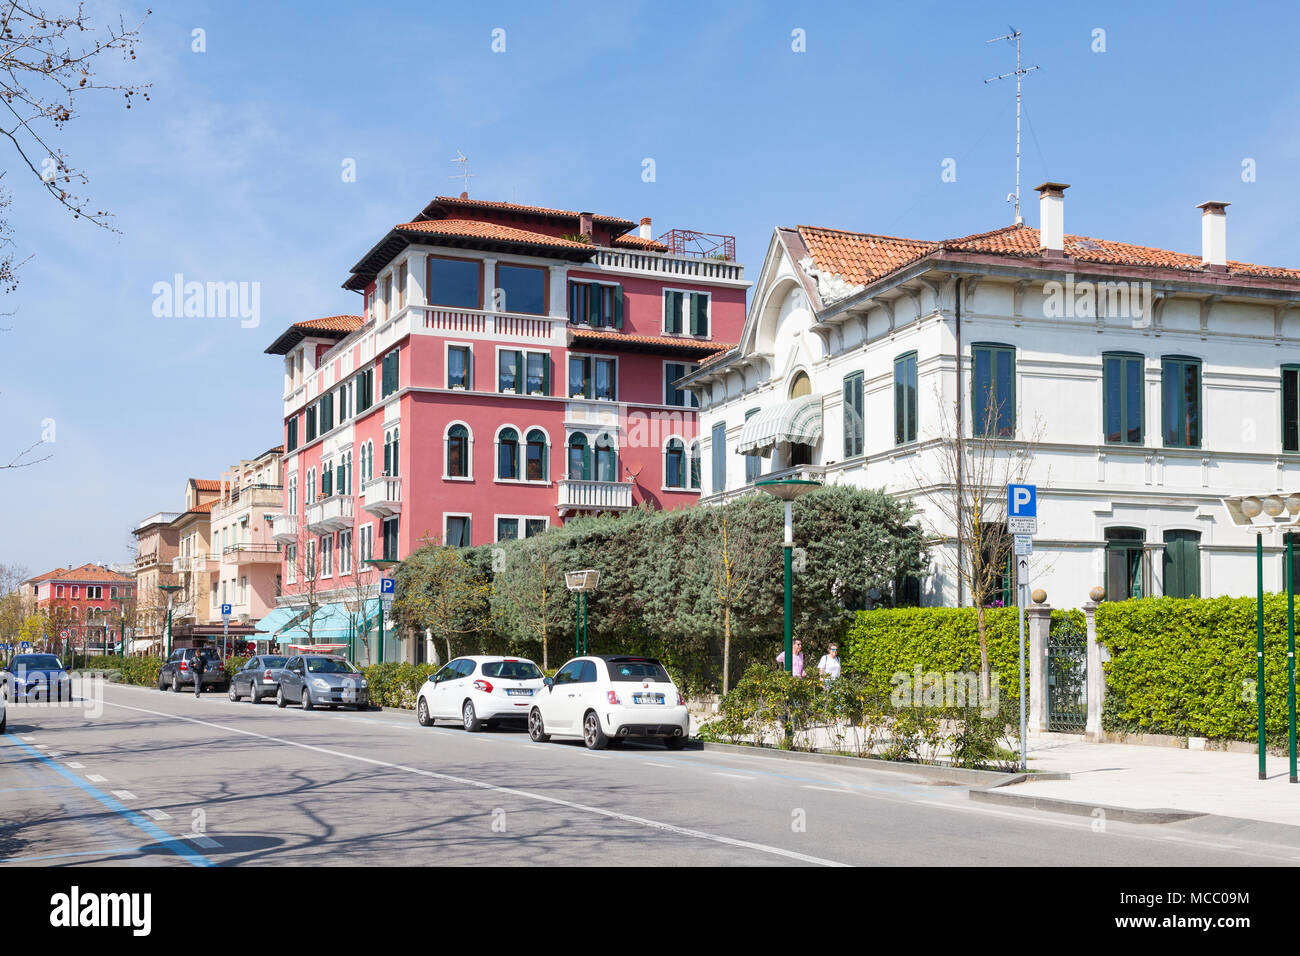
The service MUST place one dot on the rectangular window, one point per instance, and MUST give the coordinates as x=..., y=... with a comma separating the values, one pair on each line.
x=1291, y=407
x=1122, y=398
x=1124, y=564
x=719, y=457
x=1181, y=396
x=326, y=412
x=388, y=382
x=507, y=529
x=327, y=555
x=534, y=526
x=686, y=313
x=458, y=365
x=311, y=422
x=345, y=552
x=458, y=531
x=390, y=539
x=994, y=391
x=596, y=304
x=1182, y=564
x=454, y=282
x=365, y=389
x=291, y=438
x=854, y=428
x=905, y=399
x=510, y=371
x=523, y=289
x=678, y=396
x=538, y=373
x=399, y=287
x=592, y=377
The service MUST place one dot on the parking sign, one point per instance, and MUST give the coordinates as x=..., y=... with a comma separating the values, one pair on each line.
x=225, y=610
x=1022, y=509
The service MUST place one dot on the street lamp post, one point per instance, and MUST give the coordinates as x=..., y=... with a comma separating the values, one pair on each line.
x=788, y=489
x=382, y=564
x=1243, y=510
x=581, y=582
x=169, y=590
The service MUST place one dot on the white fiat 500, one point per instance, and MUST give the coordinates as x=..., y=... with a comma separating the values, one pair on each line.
x=479, y=692
x=609, y=698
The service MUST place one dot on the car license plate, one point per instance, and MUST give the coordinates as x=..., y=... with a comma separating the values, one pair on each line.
x=647, y=698
x=519, y=692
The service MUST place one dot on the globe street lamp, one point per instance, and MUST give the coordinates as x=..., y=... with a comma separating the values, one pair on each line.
x=1243, y=510
x=788, y=489
x=581, y=583
x=169, y=590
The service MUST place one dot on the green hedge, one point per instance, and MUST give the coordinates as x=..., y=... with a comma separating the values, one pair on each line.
x=1187, y=666
x=396, y=684
x=887, y=641
x=129, y=670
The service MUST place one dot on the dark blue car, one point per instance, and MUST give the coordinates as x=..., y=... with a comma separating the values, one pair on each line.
x=37, y=677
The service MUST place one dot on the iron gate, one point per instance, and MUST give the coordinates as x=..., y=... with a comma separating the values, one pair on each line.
x=1067, y=678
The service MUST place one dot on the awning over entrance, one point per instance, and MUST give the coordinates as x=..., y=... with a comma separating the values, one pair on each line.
x=333, y=622
x=798, y=421
x=279, y=617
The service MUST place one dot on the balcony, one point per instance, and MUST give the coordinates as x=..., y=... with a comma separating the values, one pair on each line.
x=190, y=563
x=575, y=496
x=481, y=323
x=383, y=497
x=284, y=528
x=244, y=554
x=329, y=514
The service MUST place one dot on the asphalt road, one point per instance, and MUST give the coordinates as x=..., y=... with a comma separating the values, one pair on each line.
x=164, y=779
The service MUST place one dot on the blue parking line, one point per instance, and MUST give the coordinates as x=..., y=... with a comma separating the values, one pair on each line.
x=179, y=847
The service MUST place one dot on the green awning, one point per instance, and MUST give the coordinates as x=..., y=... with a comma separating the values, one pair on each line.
x=279, y=618
x=333, y=622
x=798, y=421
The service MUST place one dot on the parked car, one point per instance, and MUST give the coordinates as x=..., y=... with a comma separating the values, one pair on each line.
x=479, y=692
x=176, y=671
x=37, y=676
x=257, y=678
x=609, y=698
x=4, y=712
x=322, y=680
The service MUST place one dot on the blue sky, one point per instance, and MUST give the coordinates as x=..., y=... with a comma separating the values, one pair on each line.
x=232, y=172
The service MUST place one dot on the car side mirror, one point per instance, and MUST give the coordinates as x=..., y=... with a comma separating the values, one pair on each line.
x=549, y=682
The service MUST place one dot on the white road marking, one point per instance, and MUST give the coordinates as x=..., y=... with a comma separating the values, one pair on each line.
x=27, y=739
x=40, y=746
x=510, y=791
x=651, y=763
x=125, y=795
x=73, y=765
x=198, y=839
x=157, y=814
x=738, y=776
x=809, y=786
x=54, y=753
x=96, y=778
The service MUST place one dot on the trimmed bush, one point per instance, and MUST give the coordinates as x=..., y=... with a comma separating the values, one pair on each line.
x=1187, y=666
x=396, y=684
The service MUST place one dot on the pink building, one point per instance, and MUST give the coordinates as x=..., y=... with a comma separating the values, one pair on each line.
x=513, y=366
x=84, y=607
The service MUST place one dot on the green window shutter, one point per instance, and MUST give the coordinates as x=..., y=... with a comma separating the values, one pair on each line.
x=520, y=386
x=593, y=305
x=573, y=302
x=546, y=374
x=673, y=319
x=618, y=306
x=695, y=313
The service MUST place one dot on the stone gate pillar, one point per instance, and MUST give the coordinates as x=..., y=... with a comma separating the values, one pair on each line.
x=1040, y=625
x=1096, y=679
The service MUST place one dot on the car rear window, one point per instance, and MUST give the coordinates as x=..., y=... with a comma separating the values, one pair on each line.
x=273, y=661
x=328, y=665
x=512, y=670
x=638, y=671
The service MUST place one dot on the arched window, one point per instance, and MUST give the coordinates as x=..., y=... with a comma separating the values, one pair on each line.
x=606, y=459
x=75, y=612
x=800, y=386
x=579, y=458
x=675, y=464
x=508, y=454
x=535, y=464
x=695, y=465
x=458, y=452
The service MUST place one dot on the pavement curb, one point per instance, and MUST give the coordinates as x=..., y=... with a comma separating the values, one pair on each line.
x=996, y=794
x=956, y=776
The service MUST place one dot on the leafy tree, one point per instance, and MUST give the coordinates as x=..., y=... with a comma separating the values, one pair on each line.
x=438, y=589
x=528, y=592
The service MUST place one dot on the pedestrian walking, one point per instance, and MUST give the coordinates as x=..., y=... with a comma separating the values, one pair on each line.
x=829, y=665
x=197, y=666
x=797, y=668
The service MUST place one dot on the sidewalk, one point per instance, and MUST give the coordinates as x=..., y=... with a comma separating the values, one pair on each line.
x=1148, y=778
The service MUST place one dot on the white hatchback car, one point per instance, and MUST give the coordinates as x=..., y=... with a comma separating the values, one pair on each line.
x=479, y=691
x=610, y=697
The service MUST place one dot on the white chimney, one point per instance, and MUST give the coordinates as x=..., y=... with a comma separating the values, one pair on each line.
x=645, y=227
x=1051, y=216
x=1214, y=233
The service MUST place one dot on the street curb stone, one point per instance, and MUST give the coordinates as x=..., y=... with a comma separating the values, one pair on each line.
x=956, y=776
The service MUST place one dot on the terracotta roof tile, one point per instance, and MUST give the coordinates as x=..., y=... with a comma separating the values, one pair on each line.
x=333, y=323
x=859, y=257
x=527, y=210
x=206, y=484
x=473, y=229
x=87, y=572
x=614, y=339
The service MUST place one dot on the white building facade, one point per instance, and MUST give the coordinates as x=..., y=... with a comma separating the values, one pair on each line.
x=1144, y=385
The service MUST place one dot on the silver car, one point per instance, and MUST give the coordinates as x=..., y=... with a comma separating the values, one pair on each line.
x=322, y=680
x=259, y=677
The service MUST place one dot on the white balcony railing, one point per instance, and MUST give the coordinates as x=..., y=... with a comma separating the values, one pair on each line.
x=476, y=322
x=383, y=496
x=594, y=496
x=284, y=528
x=670, y=265
x=191, y=563
x=329, y=514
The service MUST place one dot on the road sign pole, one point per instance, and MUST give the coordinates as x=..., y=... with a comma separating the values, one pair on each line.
x=1259, y=650
x=1020, y=627
x=1290, y=651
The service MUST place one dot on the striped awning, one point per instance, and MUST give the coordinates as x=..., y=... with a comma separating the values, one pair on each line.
x=798, y=421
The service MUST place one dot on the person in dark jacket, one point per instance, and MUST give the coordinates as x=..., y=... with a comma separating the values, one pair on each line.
x=197, y=666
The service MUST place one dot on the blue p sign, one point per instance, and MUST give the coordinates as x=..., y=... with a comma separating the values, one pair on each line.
x=225, y=610
x=1022, y=501
x=387, y=585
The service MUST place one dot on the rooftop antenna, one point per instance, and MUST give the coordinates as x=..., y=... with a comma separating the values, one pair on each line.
x=462, y=161
x=1019, y=72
